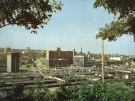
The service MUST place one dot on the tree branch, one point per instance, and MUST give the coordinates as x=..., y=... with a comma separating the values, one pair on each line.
x=1, y=26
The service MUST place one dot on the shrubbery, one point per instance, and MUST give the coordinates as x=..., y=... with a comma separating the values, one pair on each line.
x=96, y=91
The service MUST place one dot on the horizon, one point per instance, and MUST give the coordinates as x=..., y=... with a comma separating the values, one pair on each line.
x=67, y=50
x=74, y=27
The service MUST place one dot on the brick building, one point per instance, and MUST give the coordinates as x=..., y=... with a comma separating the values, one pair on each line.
x=59, y=58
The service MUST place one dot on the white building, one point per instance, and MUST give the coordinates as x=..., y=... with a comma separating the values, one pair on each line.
x=78, y=60
x=115, y=58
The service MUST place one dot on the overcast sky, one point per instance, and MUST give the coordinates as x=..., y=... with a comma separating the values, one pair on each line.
x=72, y=28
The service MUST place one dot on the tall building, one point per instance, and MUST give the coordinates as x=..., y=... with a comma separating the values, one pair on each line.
x=3, y=63
x=59, y=58
x=13, y=62
x=1, y=50
x=7, y=50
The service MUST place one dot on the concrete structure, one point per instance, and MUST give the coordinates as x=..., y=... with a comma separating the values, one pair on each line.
x=1, y=50
x=3, y=63
x=7, y=50
x=115, y=58
x=13, y=62
x=84, y=61
x=79, y=60
x=59, y=58
x=9, y=62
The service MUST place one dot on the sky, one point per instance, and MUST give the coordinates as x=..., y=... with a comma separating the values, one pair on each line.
x=74, y=27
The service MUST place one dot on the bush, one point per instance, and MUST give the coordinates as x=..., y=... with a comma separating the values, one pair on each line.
x=119, y=92
x=106, y=92
x=65, y=93
x=40, y=93
x=97, y=91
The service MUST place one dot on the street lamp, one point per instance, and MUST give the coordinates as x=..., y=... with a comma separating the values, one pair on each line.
x=102, y=53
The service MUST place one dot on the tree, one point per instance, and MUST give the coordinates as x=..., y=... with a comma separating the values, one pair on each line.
x=125, y=23
x=31, y=14
x=112, y=31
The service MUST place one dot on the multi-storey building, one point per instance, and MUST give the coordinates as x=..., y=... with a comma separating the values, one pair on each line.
x=9, y=62
x=13, y=62
x=3, y=63
x=59, y=58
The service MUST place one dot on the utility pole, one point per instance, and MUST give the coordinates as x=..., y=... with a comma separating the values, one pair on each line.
x=102, y=53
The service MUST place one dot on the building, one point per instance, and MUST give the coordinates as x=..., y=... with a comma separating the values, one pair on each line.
x=7, y=50
x=9, y=62
x=13, y=62
x=3, y=63
x=1, y=50
x=79, y=60
x=59, y=58
x=115, y=58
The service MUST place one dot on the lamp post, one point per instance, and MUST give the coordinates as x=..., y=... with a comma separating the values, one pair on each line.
x=102, y=54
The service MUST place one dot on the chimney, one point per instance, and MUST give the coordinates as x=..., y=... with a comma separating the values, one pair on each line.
x=58, y=49
x=81, y=50
x=74, y=53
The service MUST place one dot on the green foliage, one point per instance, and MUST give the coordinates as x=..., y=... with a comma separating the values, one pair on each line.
x=113, y=31
x=65, y=94
x=16, y=94
x=119, y=92
x=31, y=14
x=125, y=24
x=105, y=92
x=18, y=90
x=39, y=94
x=96, y=91
x=123, y=7
x=39, y=62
